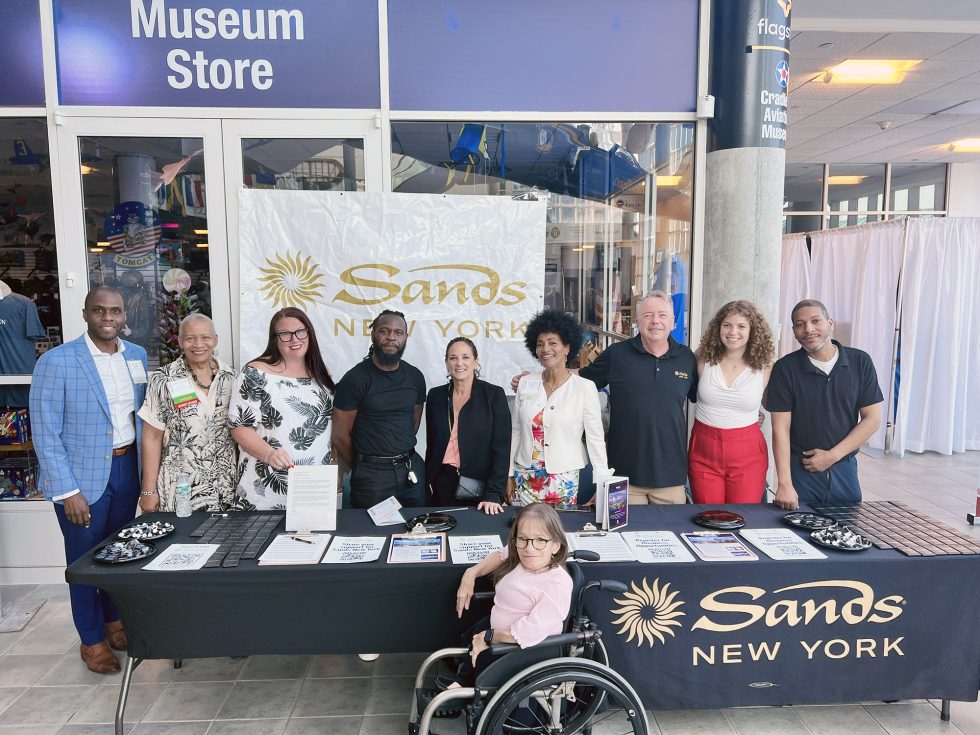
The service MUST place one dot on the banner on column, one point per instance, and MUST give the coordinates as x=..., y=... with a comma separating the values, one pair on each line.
x=455, y=266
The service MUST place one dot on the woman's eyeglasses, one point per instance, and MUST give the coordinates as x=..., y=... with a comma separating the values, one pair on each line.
x=300, y=334
x=537, y=543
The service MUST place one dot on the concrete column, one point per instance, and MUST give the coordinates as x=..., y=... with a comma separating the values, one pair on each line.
x=746, y=158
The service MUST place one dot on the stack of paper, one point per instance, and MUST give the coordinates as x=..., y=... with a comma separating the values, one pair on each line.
x=781, y=544
x=412, y=548
x=657, y=546
x=295, y=548
x=609, y=546
x=354, y=549
x=386, y=513
x=472, y=549
x=718, y=546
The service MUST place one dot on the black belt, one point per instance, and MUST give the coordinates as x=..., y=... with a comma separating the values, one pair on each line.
x=403, y=458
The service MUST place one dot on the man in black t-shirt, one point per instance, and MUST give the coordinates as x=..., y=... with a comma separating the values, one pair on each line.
x=825, y=404
x=376, y=414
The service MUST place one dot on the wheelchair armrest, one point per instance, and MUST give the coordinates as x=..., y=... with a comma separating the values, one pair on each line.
x=562, y=639
x=486, y=595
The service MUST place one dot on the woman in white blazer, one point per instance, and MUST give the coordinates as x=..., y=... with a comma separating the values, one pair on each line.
x=551, y=412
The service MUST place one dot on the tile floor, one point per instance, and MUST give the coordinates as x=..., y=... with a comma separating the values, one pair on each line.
x=45, y=689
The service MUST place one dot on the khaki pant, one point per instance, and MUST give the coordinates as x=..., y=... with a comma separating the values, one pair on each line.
x=673, y=495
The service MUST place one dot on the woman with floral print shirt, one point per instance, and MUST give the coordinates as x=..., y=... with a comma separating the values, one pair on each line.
x=184, y=425
x=280, y=411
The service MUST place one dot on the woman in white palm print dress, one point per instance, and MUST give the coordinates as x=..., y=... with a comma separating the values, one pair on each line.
x=280, y=411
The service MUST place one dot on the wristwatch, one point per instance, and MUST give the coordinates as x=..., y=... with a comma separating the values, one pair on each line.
x=488, y=636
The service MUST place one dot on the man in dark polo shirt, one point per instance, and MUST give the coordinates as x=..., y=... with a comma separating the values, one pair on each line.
x=650, y=377
x=825, y=404
x=376, y=414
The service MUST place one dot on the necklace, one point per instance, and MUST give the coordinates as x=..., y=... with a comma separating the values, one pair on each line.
x=212, y=368
x=549, y=389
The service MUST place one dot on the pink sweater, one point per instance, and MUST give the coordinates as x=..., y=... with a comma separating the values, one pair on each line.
x=531, y=606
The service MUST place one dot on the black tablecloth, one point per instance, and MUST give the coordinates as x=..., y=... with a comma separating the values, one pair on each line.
x=871, y=625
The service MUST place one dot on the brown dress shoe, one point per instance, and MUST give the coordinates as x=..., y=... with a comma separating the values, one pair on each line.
x=99, y=658
x=116, y=636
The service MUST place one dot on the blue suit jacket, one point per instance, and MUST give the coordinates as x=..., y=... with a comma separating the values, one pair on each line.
x=70, y=421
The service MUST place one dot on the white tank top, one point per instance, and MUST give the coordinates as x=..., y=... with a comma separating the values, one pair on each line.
x=728, y=408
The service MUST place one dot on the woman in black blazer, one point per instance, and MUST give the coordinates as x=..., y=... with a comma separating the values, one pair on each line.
x=467, y=424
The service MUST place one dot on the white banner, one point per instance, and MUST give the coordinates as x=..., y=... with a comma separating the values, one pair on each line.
x=455, y=266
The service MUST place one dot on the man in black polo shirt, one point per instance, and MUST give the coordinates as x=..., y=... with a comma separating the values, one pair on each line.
x=650, y=377
x=825, y=403
x=376, y=414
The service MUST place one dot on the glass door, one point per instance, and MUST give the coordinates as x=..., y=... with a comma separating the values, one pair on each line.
x=144, y=212
x=303, y=155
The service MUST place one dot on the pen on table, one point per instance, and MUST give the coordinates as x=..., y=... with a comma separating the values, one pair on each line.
x=301, y=540
x=449, y=510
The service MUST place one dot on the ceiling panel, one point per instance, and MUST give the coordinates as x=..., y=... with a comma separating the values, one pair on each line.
x=912, y=45
x=831, y=122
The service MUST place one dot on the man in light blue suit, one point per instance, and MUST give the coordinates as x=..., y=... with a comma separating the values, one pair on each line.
x=84, y=401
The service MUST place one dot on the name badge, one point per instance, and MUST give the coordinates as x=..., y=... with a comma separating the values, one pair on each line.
x=530, y=387
x=182, y=392
x=136, y=371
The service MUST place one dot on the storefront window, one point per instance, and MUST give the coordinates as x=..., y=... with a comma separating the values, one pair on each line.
x=147, y=229
x=619, y=210
x=803, y=189
x=856, y=188
x=308, y=164
x=30, y=313
x=918, y=187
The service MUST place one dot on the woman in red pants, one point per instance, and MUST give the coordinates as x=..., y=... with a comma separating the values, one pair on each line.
x=728, y=458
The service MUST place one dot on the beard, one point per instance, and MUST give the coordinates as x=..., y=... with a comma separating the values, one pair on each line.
x=387, y=359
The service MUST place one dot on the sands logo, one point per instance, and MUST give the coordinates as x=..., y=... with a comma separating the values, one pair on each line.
x=734, y=609
x=291, y=280
x=376, y=283
x=651, y=611
x=648, y=613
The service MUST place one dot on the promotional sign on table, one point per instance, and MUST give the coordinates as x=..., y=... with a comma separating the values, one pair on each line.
x=455, y=266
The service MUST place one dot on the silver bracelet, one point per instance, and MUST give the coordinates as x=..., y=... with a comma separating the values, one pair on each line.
x=147, y=494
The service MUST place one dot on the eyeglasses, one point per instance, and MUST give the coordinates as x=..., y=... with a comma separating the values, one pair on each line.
x=537, y=543
x=300, y=334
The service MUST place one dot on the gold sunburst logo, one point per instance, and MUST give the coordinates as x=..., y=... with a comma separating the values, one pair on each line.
x=291, y=280
x=648, y=612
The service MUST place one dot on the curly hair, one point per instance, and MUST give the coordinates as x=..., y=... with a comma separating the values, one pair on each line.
x=759, y=353
x=554, y=321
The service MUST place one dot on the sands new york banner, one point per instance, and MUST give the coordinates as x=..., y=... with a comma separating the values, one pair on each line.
x=455, y=266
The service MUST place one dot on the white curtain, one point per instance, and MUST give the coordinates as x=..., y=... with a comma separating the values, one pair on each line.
x=939, y=389
x=854, y=271
x=794, y=286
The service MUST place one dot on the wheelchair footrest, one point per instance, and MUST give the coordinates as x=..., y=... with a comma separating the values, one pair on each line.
x=424, y=696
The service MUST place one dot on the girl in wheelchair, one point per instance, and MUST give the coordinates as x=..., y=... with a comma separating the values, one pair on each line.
x=533, y=591
x=547, y=671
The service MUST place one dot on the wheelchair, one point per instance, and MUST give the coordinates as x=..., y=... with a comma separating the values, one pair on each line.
x=563, y=685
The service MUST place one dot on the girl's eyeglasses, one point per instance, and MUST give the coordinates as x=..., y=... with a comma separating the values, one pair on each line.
x=537, y=543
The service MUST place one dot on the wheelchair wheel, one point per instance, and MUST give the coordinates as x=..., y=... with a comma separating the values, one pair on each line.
x=564, y=696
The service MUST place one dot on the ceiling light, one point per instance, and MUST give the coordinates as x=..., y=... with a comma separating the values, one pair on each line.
x=668, y=180
x=201, y=245
x=200, y=232
x=588, y=247
x=86, y=169
x=965, y=145
x=104, y=244
x=870, y=71
x=96, y=250
x=842, y=180
x=577, y=250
